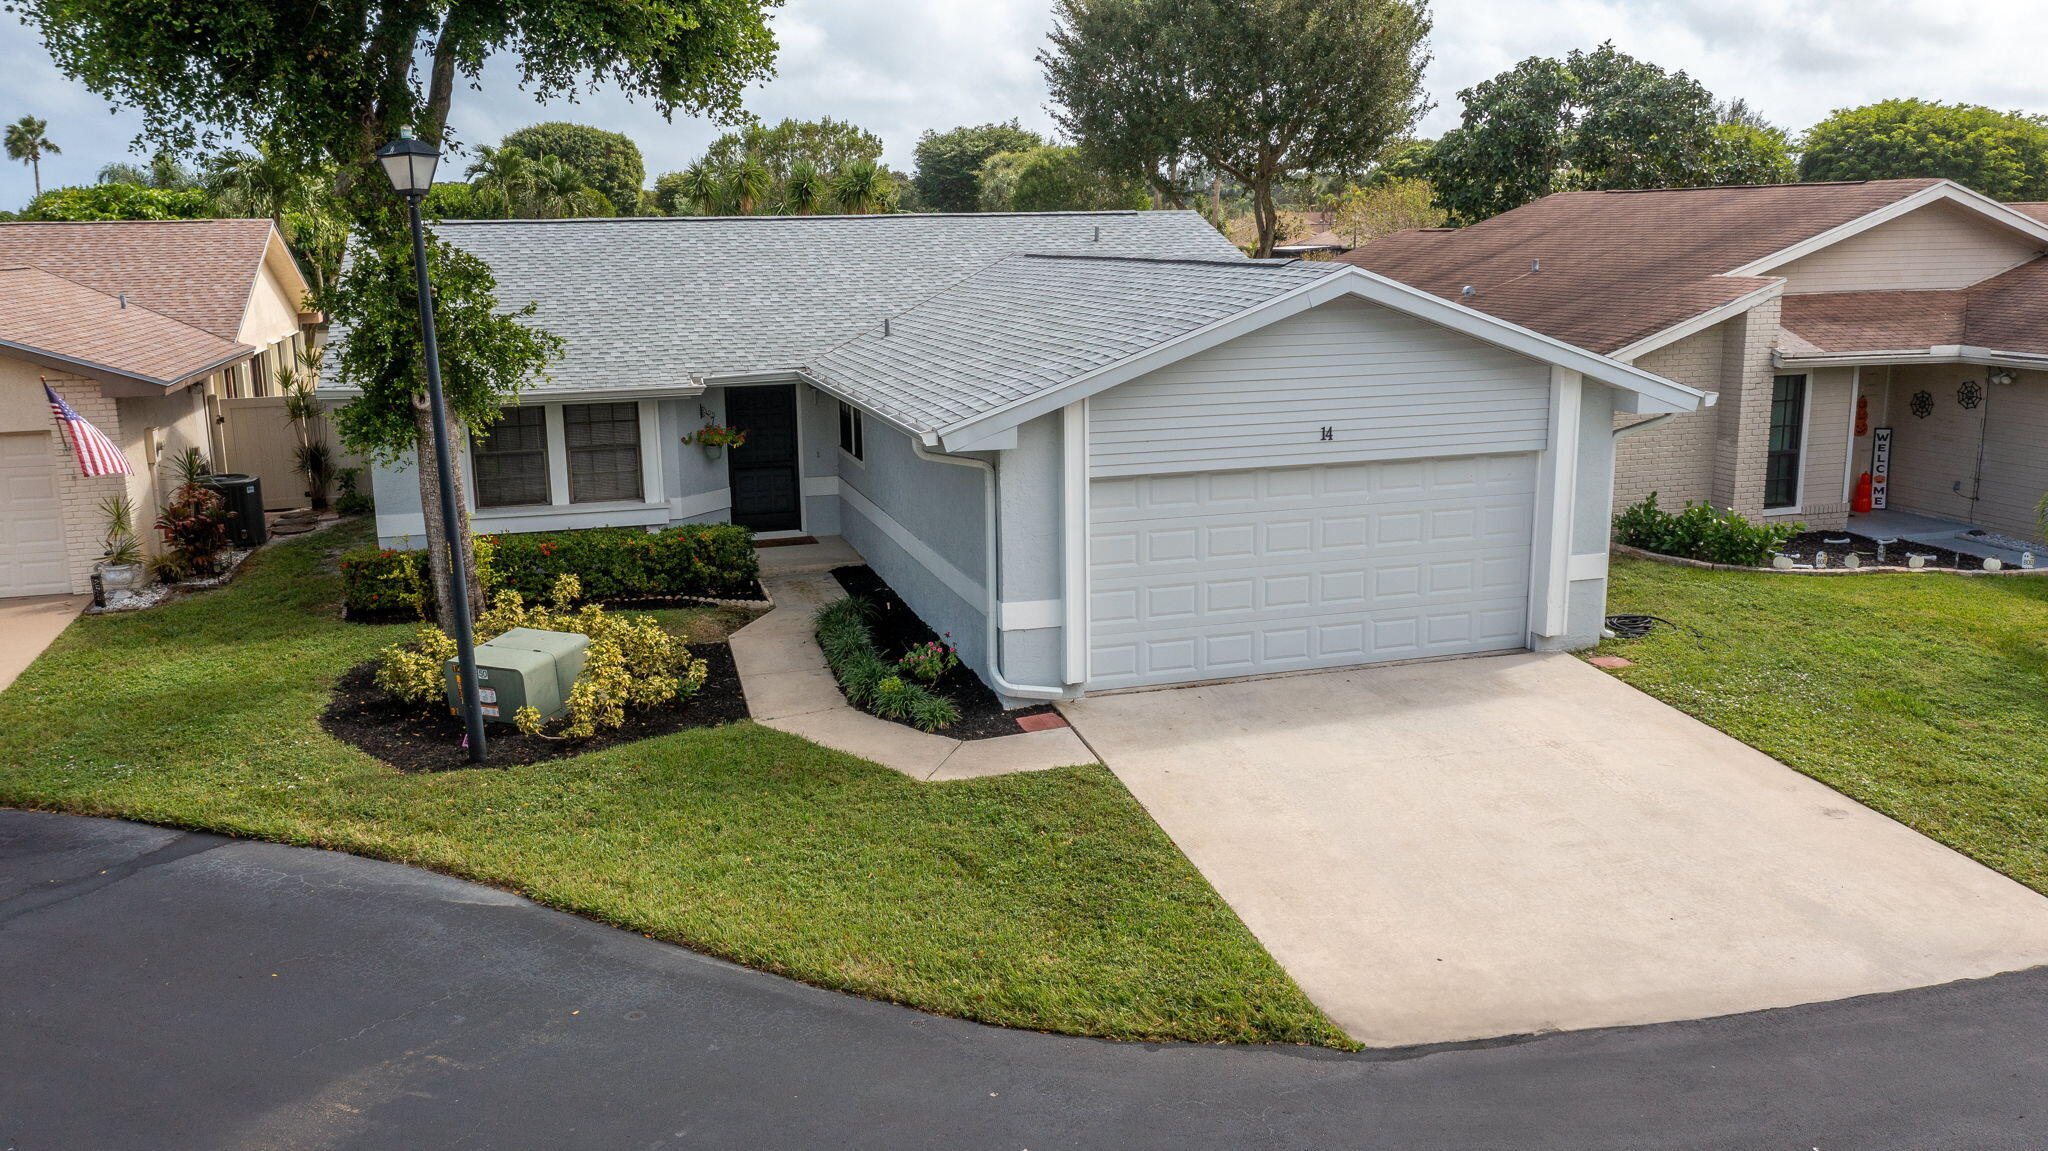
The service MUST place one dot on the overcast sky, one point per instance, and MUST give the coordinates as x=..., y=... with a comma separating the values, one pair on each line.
x=899, y=67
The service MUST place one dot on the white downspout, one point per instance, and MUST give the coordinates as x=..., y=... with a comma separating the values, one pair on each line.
x=994, y=578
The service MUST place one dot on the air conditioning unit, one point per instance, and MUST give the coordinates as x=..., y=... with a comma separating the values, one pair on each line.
x=525, y=667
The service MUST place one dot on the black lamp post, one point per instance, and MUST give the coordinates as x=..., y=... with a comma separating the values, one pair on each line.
x=410, y=164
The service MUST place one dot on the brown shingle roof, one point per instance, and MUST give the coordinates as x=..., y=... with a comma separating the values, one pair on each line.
x=1619, y=266
x=2006, y=313
x=199, y=272
x=50, y=317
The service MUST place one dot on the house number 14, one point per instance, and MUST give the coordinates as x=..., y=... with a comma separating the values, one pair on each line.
x=1329, y=433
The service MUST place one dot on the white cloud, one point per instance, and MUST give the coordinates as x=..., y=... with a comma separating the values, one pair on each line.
x=899, y=67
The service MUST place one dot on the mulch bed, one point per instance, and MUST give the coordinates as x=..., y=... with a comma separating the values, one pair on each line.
x=897, y=629
x=1803, y=546
x=409, y=739
x=752, y=596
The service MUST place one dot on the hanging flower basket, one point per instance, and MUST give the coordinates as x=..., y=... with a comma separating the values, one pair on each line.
x=715, y=438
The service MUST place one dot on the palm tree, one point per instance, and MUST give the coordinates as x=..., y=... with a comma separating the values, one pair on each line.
x=28, y=140
x=863, y=187
x=803, y=191
x=295, y=195
x=504, y=177
x=164, y=171
x=699, y=189
x=747, y=185
x=558, y=191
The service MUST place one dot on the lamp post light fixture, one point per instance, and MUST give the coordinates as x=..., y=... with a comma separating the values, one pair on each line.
x=410, y=165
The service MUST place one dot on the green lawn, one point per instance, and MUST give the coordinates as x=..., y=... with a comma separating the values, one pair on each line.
x=1923, y=696
x=1048, y=900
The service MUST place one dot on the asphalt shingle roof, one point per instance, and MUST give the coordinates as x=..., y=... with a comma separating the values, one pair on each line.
x=1030, y=323
x=1619, y=266
x=45, y=313
x=652, y=302
x=2007, y=313
x=198, y=272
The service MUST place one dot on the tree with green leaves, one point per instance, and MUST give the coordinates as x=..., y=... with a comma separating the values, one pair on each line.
x=607, y=161
x=2001, y=154
x=120, y=202
x=1054, y=178
x=694, y=191
x=863, y=187
x=949, y=164
x=1599, y=119
x=804, y=190
x=1366, y=212
x=1751, y=154
x=334, y=82
x=164, y=170
x=296, y=197
x=827, y=144
x=1256, y=90
x=747, y=185
x=28, y=140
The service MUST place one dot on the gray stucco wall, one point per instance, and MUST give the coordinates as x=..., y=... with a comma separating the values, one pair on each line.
x=920, y=526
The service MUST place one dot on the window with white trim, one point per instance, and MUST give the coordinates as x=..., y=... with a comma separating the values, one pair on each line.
x=603, y=443
x=511, y=460
x=852, y=436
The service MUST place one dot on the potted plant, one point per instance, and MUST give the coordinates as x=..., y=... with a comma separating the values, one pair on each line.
x=715, y=438
x=121, y=565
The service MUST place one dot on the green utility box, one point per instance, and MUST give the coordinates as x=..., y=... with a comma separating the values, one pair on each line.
x=524, y=667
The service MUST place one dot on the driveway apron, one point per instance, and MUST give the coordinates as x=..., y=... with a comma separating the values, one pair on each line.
x=1484, y=847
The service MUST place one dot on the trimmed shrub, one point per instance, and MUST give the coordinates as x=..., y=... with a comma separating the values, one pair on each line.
x=1701, y=532
x=691, y=560
x=870, y=682
x=716, y=560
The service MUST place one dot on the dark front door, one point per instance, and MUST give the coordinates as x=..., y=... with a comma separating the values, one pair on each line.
x=766, y=492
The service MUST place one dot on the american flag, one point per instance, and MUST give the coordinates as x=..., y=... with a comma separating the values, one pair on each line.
x=97, y=455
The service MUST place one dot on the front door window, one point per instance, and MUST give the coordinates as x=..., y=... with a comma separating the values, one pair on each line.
x=1788, y=434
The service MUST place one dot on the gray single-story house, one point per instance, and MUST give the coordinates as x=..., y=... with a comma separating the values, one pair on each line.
x=1101, y=450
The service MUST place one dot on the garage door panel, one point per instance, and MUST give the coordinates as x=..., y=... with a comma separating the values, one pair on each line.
x=1210, y=575
x=32, y=559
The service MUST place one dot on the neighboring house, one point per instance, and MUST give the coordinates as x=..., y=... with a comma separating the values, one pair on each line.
x=1821, y=313
x=1099, y=449
x=161, y=333
x=1321, y=240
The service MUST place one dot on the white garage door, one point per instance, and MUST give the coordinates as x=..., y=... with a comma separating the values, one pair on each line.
x=1216, y=574
x=31, y=519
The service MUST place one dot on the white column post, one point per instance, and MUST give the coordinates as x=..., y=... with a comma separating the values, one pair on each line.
x=1557, y=482
x=1074, y=549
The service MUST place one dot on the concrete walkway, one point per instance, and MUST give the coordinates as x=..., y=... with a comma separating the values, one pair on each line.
x=30, y=624
x=789, y=687
x=1512, y=844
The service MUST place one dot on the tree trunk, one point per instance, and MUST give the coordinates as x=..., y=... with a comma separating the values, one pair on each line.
x=430, y=503
x=1264, y=215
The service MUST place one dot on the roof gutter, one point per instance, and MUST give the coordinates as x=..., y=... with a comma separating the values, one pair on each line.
x=1937, y=354
x=97, y=370
x=993, y=582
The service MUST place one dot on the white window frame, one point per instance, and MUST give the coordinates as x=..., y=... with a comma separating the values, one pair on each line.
x=558, y=513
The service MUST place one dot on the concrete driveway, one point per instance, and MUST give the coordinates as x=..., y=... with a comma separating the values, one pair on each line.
x=1496, y=846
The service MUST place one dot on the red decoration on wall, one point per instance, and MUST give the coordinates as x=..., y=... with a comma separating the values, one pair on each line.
x=1862, y=415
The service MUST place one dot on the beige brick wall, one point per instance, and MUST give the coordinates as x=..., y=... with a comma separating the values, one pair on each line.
x=1742, y=433
x=84, y=525
x=1676, y=458
x=1827, y=440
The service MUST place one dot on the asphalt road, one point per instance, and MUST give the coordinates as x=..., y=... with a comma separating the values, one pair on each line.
x=166, y=990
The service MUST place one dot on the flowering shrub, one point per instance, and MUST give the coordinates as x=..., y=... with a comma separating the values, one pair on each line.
x=1701, y=532
x=632, y=662
x=869, y=681
x=929, y=660
x=195, y=527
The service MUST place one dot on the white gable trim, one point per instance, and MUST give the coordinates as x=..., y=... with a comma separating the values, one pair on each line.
x=1656, y=393
x=1948, y=190
x=1700, y=323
